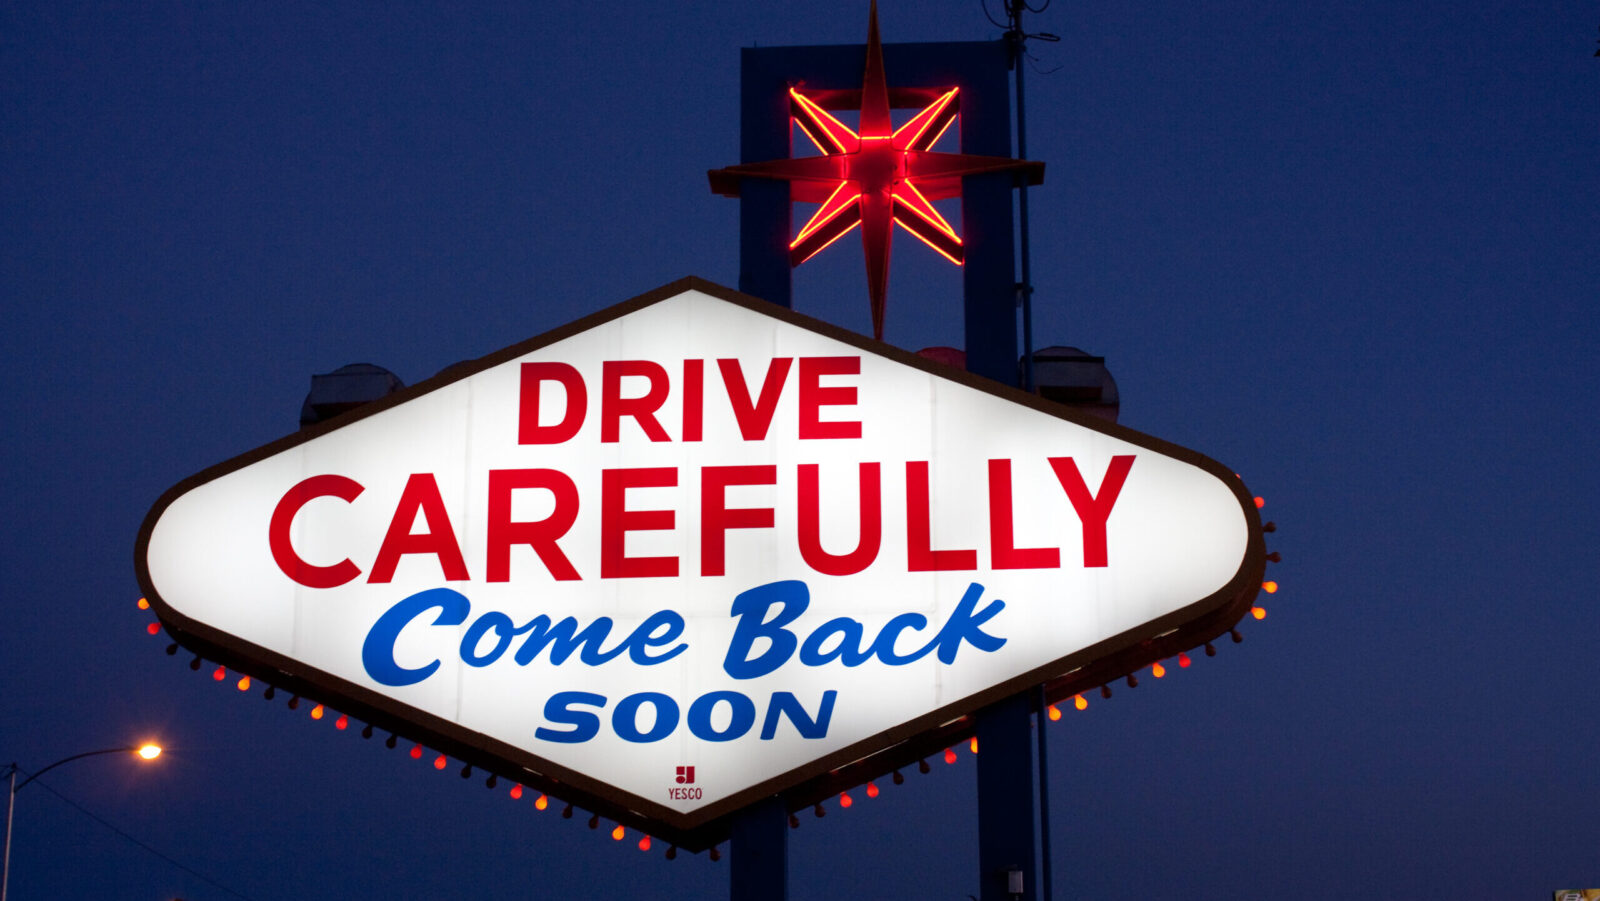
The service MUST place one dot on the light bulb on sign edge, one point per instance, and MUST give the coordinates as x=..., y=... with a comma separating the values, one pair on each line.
x=195, y=664
x=1133, y=681
x=317, y=712
x=144, y=604
x=618, y=833
x=845, y=800
x=1105, y=691
x=794, y=821
x=1269, y=587
x=466, y=771
x=1211, y=649
x=594, y=821
x=898, y=778
x=542, y=802
x=1258, y=612
x=516, y=792
x=715, y=854
x=440, y=762
x=973, y=744
x=172, y=649
x=244, y=683
x=1080, y=702
x=1157, y=670
x=153, y=628
x=416, y=752
x=817, y=811
x=1237, y=638
x=342, y=723
x=644, y=843
x=1184, y=661
x=672, y=852
x=1055, y=713
x=872, y=789
x=949, y=755
x=492, y=781
x=219, y=674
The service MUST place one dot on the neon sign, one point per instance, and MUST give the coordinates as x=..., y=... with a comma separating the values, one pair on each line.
x=876, y=178
x=694, y=551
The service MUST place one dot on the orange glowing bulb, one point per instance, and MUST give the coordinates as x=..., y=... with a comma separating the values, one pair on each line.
x=343, y=722
x=1269, y=587
x=1080, y=702
x=516, y=792
x=1184, y=661
x=872, y=789
x=219, y=674
x=144, y=604
x=1258, y=612
x=1055, y=713
x=1158, y=670
x=618, y=833
x=949, y=755
x=542, y=803
x=973, y=744
x=244, y=683
x=153, y=628
x=149, y=751
x=440, y=762
x=316, y=712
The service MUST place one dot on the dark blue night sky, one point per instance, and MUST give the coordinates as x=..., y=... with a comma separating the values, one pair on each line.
x=1349, y=250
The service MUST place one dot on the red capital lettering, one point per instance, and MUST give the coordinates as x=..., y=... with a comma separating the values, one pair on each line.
x=529, y=431
x=421, y=493
x=694, y=410
x=716, y=518
x=920, y=556
x=813, y=397
x=1093, y=510
x=278, y=528
x=616, y=521
x=870, y=517
x=541, y=535
x=613, y=406
x=754, y=417
x=1003, y=550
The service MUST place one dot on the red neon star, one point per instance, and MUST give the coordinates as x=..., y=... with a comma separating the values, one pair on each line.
x=877, y=178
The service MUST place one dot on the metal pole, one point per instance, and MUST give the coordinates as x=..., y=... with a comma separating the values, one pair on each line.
x=1046, y=889
x=1016, y=36
x=11, y=800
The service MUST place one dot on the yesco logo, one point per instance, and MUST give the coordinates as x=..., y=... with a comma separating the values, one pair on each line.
x=694, y=534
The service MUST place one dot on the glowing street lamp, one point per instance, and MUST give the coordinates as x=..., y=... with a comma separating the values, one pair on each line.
x=145, y=751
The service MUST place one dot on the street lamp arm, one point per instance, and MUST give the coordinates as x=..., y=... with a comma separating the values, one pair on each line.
x=23, y=784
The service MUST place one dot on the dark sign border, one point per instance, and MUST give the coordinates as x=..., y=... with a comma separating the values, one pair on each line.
x=897, y=746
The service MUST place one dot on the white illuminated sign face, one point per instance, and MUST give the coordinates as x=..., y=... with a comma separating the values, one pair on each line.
x=692, y=550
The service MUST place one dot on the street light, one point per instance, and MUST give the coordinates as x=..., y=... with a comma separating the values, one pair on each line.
x=146, y=751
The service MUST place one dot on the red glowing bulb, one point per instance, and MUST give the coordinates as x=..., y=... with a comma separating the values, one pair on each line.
x=1184, y=661
x=845, y=800
x=516, y=792
x=440, y=762
x=219, y=674
x=153, y=628
x=644, y=843
x=342, y=722
x=872, y=789
x=949, y=755
x=416, y=752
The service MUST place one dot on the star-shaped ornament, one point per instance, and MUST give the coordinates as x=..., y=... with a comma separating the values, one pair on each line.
x=875, y=178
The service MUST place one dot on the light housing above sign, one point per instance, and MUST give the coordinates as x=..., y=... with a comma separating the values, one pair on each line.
x=697, y=550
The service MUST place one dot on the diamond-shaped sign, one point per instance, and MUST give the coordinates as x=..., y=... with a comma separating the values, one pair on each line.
x=696, y=550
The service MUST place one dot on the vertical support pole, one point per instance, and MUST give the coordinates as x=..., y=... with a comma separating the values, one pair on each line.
x=1005, y=800
x=764, y=211
x=759, y=845
x=11, y=801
